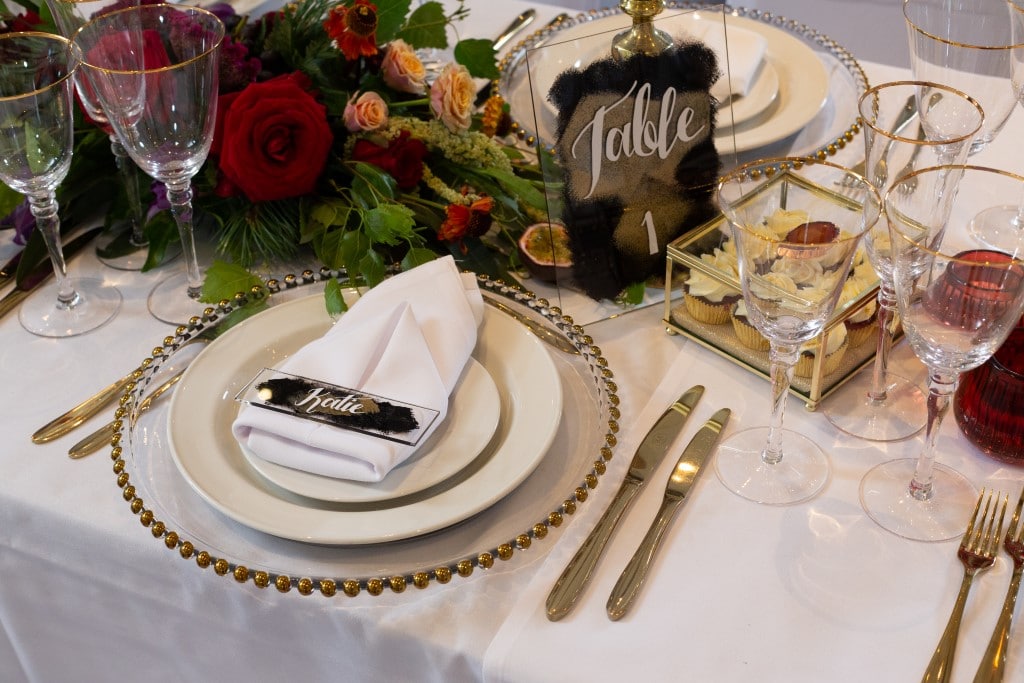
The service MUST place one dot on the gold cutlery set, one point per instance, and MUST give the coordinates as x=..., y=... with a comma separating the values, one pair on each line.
x=649, y=454
x=977, y=552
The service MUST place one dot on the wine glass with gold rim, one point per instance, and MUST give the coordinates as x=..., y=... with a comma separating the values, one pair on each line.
x=36, y=140
x=795, y=237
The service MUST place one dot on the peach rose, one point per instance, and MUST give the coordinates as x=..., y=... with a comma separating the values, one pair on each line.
x=402, y=69
x=365, y=112
x=451, y=97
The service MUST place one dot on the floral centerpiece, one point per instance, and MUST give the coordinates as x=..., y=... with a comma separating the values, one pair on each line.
x=332, y=139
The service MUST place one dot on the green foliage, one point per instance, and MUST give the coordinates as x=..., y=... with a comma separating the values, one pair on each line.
x=335, y=298
x=224, y=280
x=426, y=27
x=477, y=55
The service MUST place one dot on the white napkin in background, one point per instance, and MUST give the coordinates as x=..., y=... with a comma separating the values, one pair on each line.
x=745, y=54
x=406, y=339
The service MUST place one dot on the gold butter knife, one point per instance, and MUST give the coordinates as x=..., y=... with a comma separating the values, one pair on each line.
x=685, y=474
x=569, y=587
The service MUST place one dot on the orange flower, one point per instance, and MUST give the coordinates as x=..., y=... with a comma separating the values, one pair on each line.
x=353, y=28
x=466, y=221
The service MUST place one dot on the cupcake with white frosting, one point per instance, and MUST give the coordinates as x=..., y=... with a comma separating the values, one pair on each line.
x=707, y=299
x=745, y=330
x=835, y=344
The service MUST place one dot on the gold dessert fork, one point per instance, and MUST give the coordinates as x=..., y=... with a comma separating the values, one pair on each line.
x=977, y=553
x=991, y=668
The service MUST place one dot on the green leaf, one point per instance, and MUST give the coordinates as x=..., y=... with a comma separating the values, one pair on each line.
x=373, y=268
x=524, y=190
x=389, y=223
x=9, y=199
x=224, y=280
x=371, y=185
x=477, y=55
x=390, y=18
x=633, y=294
x=161, y=231
x=426, y=27
x=417, y=256
x=41, y=149
x=334, y=298
x=352, y=247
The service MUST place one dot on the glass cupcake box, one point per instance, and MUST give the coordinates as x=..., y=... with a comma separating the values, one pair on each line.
x=704, y=302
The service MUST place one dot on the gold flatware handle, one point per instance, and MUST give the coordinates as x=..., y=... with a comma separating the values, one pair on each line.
x=101, y=437
x=545, y=334
x=83, y=411
x=577, y=573
x=635, y=574
x=993, y=662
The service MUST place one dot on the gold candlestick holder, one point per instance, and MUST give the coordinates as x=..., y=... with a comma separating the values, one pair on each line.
x=643, y=37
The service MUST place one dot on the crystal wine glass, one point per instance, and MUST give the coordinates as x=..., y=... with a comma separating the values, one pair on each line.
x=36, y=139
x=154, y=70
x=123, y=245
x=883, y=406
x=791, y=283
x=957, y=304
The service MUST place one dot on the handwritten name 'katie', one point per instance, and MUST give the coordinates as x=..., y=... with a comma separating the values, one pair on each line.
x=639, y=136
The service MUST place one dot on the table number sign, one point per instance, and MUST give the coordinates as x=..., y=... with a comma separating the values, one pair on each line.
x=337, y=406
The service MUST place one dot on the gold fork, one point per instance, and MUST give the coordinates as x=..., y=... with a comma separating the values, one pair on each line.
x=991, y=668
x=977, y=553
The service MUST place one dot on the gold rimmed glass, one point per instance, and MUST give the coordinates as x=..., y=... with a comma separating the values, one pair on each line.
x=957, y=304
x=943, y=122
x=154, y=70
x=795, y=236
x=36, y=140
x=123, y=245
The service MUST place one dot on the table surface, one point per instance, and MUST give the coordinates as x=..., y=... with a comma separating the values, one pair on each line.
x=740, y=591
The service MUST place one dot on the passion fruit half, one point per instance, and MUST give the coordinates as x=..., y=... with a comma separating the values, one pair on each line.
x=544, y=249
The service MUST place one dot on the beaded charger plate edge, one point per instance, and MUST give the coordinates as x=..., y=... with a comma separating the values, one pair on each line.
x=461, y=565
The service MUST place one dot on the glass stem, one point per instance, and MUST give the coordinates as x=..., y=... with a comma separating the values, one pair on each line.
x=44, y=208
x=886, y=318
x=782, y=358
x=130, y=180
x=179, y=195
x=941, y=386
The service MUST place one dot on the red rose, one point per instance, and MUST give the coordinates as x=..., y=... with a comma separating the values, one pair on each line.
x=402, y=159
x=273, y=139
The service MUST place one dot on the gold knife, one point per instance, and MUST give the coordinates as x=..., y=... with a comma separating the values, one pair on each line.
x=683, y=477
x=569, y=587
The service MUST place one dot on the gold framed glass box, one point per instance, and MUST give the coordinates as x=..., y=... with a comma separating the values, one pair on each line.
x=703, y=256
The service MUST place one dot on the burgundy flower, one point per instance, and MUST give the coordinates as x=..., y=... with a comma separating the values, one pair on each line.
x=402, y=158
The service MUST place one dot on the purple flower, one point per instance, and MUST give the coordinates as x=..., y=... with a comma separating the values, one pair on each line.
x=160, y=202
x=22, y=220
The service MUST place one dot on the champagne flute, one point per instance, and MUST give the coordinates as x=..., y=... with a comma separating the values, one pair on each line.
x=123, y=246
x=769, y=464
x=36, y=140
x=154, y=70
x=957, y=304
x=884, y=406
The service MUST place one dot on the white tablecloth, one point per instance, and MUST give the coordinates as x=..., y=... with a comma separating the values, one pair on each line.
x=740, y=592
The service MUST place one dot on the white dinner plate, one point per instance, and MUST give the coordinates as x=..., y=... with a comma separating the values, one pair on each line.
x=799, y=91
x=210, y=459
x=473, y=412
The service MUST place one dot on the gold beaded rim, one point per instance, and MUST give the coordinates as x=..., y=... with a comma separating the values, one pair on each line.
x=128, y=411
x=516, y=55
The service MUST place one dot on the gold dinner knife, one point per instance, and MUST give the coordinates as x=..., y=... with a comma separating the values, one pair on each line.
x=685, y=474
x=569, y=587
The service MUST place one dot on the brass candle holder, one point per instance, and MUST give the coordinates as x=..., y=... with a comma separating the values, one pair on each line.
x=642, y=37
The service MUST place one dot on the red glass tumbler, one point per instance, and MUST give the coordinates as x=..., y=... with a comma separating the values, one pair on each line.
x=989, y=403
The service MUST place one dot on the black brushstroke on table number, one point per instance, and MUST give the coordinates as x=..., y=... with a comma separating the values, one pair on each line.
x=351, y=411
x=634, y=139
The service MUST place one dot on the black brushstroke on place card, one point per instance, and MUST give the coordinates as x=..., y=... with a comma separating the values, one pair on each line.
x=338, y=406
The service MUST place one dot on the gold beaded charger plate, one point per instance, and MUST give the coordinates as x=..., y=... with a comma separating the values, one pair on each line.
x=473, y=414
x=507, y=534
x=813, y=114
x=211, y=460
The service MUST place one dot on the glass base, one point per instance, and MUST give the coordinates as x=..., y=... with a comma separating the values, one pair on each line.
x=800, y=475
x=96, y=305
x=997, y=227
x=169, y=301
x=901, y=415
x=885, y=496
x=115, y=248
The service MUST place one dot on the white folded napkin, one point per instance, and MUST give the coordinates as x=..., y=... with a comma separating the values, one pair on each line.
x=746, y=51
x=407, y=339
